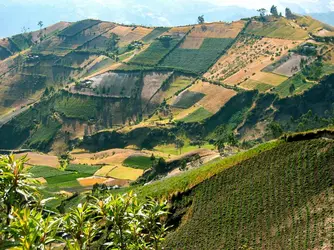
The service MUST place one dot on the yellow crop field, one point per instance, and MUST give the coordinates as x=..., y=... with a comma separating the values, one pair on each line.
x=121, y=30
x=125, y=173
x=109, y=157
x=211, y=30
x=90, y=181
x=104, y=170
x=135, y=34
x=37, y=159
x=215, y=96
x=269, y=78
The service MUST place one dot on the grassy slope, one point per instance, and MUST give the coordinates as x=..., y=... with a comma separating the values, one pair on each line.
x=266, y=202
x=183, y=182
x=198, y=115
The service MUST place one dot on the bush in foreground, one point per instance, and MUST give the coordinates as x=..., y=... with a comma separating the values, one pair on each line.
x=117, y=222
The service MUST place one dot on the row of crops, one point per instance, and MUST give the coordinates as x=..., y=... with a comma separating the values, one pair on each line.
x=281, y=199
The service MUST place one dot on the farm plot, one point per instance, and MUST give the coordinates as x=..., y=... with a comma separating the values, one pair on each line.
x=178, y=32
x=212, y=30
x=187, y=99
x=77, y=59
x=49, y=30
x=152, y=83
x=197, y=60
x=252, y=84
x=78, y=27
x=247, y=57
x=108, y=157
x=269, y=78
x=198, y=115
x=155, y=52
x=120, y=172
x=116, y=84
x=125, y=173
x=138, y=161
x=176, y=85
x=291, y=66
x=215, y=96
x=299, y=83
x=37, y=159
x=86, y=35
x=134, y=35
x=280, y=28
x=98, y=64
x=154, y=34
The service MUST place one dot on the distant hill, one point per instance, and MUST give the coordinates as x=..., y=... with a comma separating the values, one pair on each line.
x=77, y=79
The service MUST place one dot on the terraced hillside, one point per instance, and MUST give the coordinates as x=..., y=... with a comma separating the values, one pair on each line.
x=78, y=79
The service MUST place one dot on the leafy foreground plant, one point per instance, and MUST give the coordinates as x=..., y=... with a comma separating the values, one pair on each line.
x=117, y=222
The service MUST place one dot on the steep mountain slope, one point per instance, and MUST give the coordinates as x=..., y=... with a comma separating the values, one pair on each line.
x=265, y=202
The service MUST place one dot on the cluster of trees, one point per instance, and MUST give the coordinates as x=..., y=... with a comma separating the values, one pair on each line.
x=274, y=12
x=116, y=222
x=223, y=137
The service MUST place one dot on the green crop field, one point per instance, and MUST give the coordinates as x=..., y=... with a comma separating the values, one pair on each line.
x=266, y=202
x=44, y=135
x=21, y=41
x=198, y=115
x=46, y=172
x=252, y=84
x=181, y=82
x=197, y=60
x=281, y=28
x=140, y=162
x=78, y=27
x=154, y=34
x=298, y=80
x=79, y=108
x=83, y=169
x=187, y=99
x=56, y=180
x=155, y=52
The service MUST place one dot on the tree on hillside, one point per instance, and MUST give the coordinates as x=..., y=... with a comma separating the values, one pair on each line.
x=273, y=11
x=200, y=19
x=262, y=13
x=179, y=144
x=40, y=34
x=289, y=14
x=112, y=42
x=292, y=89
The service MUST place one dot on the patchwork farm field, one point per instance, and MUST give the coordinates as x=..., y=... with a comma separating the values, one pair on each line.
x=247, y=57
x=299, y=82
x=154, y=34
x=155, y=52
x=187, y=99
x=38, y=159
x=152, y=83
x=197, y=60
x=215, y=96
x=280, y=28
x=212, y=30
